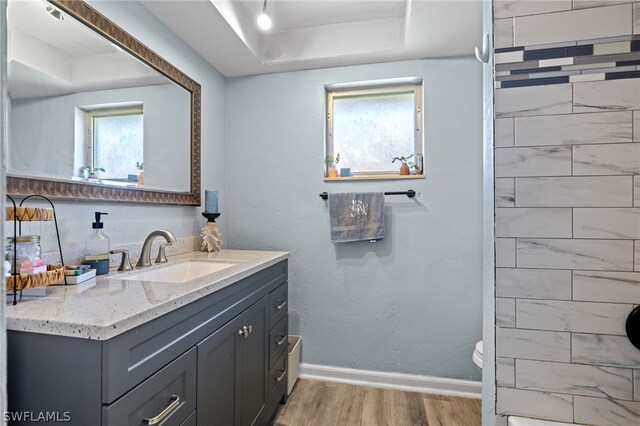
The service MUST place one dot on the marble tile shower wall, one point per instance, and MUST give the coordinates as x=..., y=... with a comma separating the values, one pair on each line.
x=567, y=153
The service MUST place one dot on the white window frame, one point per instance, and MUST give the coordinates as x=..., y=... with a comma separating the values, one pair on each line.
x=90, y=115
x=378, y=87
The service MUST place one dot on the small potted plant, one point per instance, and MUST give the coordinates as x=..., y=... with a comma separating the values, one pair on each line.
x=413, y=167
x=91, y=172
x=140, y=166
x=404, y=167
x=332, y=171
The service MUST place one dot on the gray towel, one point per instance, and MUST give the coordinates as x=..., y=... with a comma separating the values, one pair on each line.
x=356, y=216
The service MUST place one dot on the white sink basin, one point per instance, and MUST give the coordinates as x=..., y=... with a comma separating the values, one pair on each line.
x=178, y=273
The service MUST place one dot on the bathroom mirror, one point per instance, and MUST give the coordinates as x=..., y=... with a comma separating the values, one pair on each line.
x=93, y=113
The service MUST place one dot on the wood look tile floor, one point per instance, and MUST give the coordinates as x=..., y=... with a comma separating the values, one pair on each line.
x=317, y=403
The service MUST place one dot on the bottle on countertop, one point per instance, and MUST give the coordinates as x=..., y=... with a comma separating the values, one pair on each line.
x=96, y=248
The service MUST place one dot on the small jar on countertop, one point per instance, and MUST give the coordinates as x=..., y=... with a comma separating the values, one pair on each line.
x=27, y=247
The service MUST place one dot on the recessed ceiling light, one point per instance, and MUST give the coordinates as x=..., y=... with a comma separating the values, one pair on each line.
x=264, y=19
x=55, y=13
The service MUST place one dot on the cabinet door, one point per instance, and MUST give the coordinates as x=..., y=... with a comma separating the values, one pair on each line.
x=232, y=370
x=254, y=359
x=219, y=376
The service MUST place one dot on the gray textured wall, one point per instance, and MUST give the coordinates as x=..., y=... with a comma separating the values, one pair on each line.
x=411, y=303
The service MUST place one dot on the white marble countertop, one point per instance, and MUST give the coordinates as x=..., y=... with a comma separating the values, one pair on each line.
x=107, y=306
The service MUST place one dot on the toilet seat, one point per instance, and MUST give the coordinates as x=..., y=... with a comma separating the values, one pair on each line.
x=477, y=354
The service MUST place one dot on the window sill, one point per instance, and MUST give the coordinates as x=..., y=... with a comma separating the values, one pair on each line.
x=373, y=177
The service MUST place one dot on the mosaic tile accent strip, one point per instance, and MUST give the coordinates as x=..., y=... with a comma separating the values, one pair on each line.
x=613, y=58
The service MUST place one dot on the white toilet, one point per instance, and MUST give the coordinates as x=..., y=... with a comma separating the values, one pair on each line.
x=477, y=355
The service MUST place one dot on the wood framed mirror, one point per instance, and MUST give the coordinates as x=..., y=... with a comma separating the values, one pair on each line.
x=94, y=114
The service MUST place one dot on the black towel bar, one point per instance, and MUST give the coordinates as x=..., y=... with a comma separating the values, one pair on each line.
x=410, y=193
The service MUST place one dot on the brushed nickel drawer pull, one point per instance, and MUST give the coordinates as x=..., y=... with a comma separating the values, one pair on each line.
x=175, y=401
x=277, y=379
x=280, y=342
x=244, y=331
x=281, y=305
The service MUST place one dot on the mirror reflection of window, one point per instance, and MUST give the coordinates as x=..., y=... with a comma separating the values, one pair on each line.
x=116, y=143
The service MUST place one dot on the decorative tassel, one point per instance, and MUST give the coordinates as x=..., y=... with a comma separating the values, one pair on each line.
x=211, y=240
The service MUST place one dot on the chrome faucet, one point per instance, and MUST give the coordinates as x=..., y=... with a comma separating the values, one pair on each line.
x=145, y=253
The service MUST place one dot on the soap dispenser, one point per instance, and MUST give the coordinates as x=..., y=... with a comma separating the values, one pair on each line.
x=96, y=248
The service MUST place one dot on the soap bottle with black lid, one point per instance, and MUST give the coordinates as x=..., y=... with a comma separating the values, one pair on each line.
x=96, y=247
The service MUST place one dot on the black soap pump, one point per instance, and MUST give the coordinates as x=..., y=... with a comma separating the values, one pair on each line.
x=96, y=247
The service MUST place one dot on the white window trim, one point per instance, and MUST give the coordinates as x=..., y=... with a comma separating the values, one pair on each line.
x=402, y=85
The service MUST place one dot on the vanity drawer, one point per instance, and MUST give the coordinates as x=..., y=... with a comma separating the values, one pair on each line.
x=278, y=373
x=278, y=300
x=169, y=396
x=278, y=340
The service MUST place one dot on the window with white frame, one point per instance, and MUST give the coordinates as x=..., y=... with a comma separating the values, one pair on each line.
x=115, y=142
x=369, y=124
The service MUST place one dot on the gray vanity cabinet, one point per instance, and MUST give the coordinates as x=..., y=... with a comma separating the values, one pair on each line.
x=210, y=362
x=232, y=370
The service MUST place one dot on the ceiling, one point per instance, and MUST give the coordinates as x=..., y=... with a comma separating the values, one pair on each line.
x=309, y=34
x=48, y=57
x=303, y=14
x=69, y=35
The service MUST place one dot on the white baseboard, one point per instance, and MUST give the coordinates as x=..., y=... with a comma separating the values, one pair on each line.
x=401, y=381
